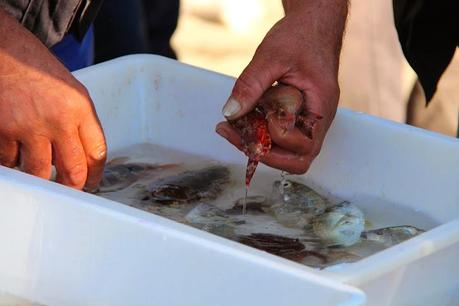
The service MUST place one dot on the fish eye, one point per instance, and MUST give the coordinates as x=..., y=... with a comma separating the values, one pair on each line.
x=286, y=184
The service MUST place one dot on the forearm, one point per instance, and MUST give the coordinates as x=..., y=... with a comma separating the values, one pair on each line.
x=20, y=49
x=46, y=116
x=327, y=17
x=301, y=50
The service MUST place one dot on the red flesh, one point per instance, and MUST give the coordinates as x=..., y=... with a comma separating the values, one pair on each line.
x=253, y=127
x=256, y=141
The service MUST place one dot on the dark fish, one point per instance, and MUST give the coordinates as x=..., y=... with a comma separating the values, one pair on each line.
x=286, y=247
x=119, y=176
x=190, y=186
x=295, y=250
x=325, y=257
x=254, y=205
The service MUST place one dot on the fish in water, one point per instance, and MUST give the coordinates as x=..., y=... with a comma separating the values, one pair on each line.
x=286, y=247
x=340, y=225
x=326, y=257
x=254, y=205
x=390, y=236
x=212, y=219
x=206, y=213
x=294, y=249
x=118, y=176
x=190, y=186
x=294, y=204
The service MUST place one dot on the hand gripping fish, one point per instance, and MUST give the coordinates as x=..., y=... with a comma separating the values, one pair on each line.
x=285, y=102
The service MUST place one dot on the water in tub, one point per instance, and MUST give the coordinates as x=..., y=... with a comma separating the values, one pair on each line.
x=284, y=217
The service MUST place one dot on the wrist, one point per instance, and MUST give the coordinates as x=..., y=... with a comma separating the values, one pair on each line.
x=295, y=6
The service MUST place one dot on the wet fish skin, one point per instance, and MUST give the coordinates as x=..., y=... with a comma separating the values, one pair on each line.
x=211, y=219
x=118, y=176
x=340, y=225
x=190, y=186
x=327, y=257
x=393, y=235
x=206, y=213
x=295, y=204
x=286, y=247
x=255, y=205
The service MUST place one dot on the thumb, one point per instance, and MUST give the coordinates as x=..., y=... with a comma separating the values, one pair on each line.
x=256, y=78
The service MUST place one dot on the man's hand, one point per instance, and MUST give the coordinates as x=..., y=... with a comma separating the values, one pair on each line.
x=301, y=50
x=46, y=115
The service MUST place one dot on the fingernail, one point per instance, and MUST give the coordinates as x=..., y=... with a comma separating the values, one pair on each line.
x=222, y=132
x=231, y=108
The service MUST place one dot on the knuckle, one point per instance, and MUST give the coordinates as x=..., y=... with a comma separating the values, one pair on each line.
x=84, y=91
x=35, y=166
x=9, y=128
x=71, y=110
x=299, y=171
x=303, y=169
x=8, y=161
x=247, y=86
x=303, y=165
x=331, y=91
x=8, y=154
x=315, y=153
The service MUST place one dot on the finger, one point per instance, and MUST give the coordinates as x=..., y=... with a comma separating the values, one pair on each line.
x=277, y=158
x=9, y=152
x=291, y=140
x=287, y=161
x=225, y=130
x=36, y=157
x=93, y=141
x=256, y=78
x=70, y=160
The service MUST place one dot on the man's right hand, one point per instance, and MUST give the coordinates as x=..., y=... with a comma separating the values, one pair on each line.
x=46, y=115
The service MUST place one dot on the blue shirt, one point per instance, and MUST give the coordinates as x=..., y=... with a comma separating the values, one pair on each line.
x=74, y=54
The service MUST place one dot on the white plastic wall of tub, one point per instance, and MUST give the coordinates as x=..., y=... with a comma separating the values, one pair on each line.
x=66, y=248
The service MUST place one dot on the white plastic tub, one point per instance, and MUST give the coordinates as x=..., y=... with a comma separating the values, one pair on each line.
x=63, y=247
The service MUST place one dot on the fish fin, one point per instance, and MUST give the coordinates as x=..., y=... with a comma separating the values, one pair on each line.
x=368, y=224
x=251, y=167
x=306, y=123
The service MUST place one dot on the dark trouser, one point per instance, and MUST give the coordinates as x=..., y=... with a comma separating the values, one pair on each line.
x=136, y=26
x=441, y=115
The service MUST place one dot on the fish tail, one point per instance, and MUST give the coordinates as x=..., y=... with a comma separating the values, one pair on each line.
x=251, y=167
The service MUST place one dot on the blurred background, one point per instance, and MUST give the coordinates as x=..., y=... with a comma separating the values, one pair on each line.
x=222, y=35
